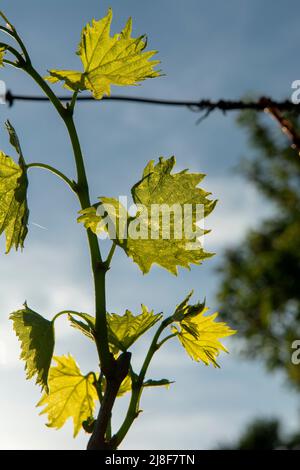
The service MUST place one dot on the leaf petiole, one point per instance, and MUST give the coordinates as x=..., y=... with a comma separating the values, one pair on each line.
x=110, y=255
x=13, y=51
x=68, y=312
x=56, y=172
x=11, y=31
x=72, y=104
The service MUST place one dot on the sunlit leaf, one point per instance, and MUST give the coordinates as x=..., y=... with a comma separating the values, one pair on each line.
x=145, y=240
x=108, y=216
x=36, y=335
x=13, y=196
x=117, y=60
x=199, y=334
x=124, y=330
x=86, y=328
x=158, y=383
x=72, y=395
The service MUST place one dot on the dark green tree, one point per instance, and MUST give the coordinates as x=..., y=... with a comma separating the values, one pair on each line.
x=264, y=434
x=260, y=287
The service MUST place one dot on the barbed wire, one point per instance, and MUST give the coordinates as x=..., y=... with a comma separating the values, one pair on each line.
x=203, y=105
x=206, y=106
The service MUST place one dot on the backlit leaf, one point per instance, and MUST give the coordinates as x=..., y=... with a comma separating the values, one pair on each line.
x=13, y=196
x=36, y=335
x=72, y=395
x=117, y=60
x=149, y=240
x=200, y=334
x=86, y=328
x=158, y=383
x=124, y=330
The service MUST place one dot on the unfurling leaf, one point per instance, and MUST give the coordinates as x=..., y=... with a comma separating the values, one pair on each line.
x=124, y=330
x=158, y=383
x=36, y=335
x=86, y=328
x=165, y=230
x=72, y=395
x=13, y=196
x=126, y=385
x=14, y=141
x=199, y=334
x=116, y=60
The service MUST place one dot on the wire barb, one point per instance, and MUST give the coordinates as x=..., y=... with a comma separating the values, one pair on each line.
x=203, y=105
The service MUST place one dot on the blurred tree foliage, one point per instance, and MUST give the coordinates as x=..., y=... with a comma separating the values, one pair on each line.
x=264, y=434
x=260, y=288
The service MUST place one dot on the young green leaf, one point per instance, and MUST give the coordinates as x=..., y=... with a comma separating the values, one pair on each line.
x=158, y=188
x=36, y=335
x=13, y=196
x=158, y=383
x=86, y=328
x=124, y=330
x=72, y=395
x=199, y=334
x=116, y=60
x=126, y=386
x=14, y=142
x=114, y=222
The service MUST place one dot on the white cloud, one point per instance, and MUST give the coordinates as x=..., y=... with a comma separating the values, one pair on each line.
x=240, y=208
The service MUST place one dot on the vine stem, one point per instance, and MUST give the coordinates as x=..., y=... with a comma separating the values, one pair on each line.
x=82, y=190
x=56, y=172
x=13, y=51
x=137, y=385
x=114, y=370
x=110, y=255
x=68, y=312
x=14, y=34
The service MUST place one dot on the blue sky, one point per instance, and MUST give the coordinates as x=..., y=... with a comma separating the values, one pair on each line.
x=208, y=49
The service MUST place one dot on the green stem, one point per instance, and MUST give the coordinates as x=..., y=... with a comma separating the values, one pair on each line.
x=68, y=312
x=7, y=31
x=166, y=339
x=55, y=171
x=153, y=348
x=10, y=62
x=13, y=33
x=46, y=89
x=13, y=51
x=110, y=255
x=82, y=190
x=99, y=268
x=137, y=386
x=73, y=102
